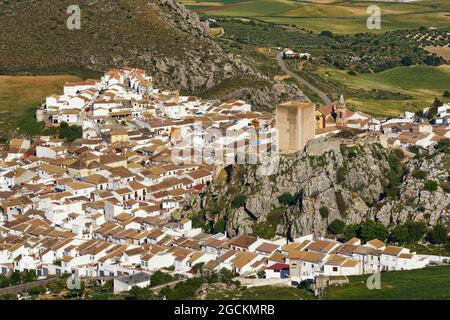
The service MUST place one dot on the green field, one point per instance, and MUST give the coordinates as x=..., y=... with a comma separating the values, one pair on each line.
x=261, y=293
x=19, y=97
x=432, y=283
x=342, y=17
x=423, y=83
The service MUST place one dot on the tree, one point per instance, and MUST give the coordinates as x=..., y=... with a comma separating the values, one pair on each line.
x=223, y=276
x=159, y=277
x=438, y=235
x=409, y=232
x=446, y=94
x=238, y=201
x=198, y=268
x=406, y=61
x=432, y=112
x=373, y=230
x=220, y=225
x=336, y=227
x=351, y=231
x=138, y=293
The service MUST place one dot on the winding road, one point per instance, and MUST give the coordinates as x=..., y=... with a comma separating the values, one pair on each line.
x=285, y=68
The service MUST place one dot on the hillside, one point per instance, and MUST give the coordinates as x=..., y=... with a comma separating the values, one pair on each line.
x=160, y=36
x=352, y=179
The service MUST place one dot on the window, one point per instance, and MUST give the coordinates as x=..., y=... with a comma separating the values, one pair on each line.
x=335, y=269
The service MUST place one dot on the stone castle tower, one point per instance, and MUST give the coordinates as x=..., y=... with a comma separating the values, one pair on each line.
x=295, y=124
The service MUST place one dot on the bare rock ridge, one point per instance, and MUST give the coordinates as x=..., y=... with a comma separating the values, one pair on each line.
x=161, y=36
x=354, y=179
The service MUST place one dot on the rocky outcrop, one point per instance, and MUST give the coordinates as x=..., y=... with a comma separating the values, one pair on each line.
x=415, y=202
x=334, y=178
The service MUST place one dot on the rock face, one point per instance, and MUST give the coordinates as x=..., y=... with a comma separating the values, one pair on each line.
x=334, y=178
x=161, y=36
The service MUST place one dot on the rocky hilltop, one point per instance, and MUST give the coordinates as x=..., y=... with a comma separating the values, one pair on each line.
x=161, y=36
x=348, y=178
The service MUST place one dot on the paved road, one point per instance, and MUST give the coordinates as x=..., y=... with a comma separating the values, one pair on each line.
x=285, y=68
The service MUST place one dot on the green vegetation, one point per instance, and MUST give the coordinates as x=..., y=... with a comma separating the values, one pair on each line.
x=431, y=185
x=137, y=293
x=416, y=85
x=287, y=199
x=19, y=98
x=409, y=232
x=220, y=225
x=238, y=201
x=368, y=230
x=394, y=174
x=186, y=290
x=419, y=174
x=17, y=277
x=261, y=293
x=336, y=227
x=263, y=230
x=341, y=175
x=324, y=212
x=64, y=131
x=438, y=235
x=340, y=202
x=430, y=283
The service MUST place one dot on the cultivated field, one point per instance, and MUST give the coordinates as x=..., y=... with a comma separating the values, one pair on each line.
x=348, y=16
x=422, y=83
x=20, y=95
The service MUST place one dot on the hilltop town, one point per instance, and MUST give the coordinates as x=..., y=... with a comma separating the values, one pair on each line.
x=103, y=205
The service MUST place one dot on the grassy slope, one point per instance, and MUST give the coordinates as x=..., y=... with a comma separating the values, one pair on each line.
x=423, y=83
x=337, y=16
x=19, y=96
x=430, y=283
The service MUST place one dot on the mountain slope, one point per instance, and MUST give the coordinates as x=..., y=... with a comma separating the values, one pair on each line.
x=160, y=36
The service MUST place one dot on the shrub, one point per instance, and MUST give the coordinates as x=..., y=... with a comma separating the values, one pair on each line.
x=445, y=185
x=159, y=277
x=37, y=290
x=419, y=174
x=431, y=185
x=438, y=235
x=287, y=199
x=336, y=227
x=324, y=212
x=220, y=225
x=238, y=201
x=263, y=230
x=341, y=174
x=340, y=202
